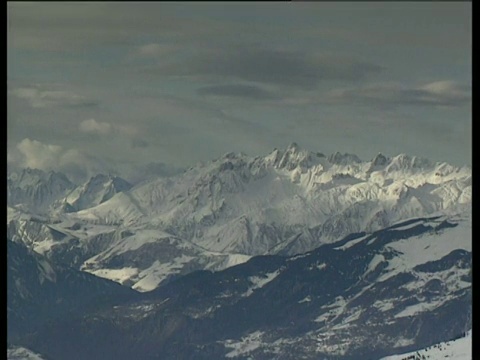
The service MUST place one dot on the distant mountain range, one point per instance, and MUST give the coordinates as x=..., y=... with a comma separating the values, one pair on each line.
x=221, y=213
x=285, y=256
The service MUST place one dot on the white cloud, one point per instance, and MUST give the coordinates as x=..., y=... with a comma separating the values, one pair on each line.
x=92, y=126
x=97, y=127
x=45, y=97
x=37, y=155
x=446, y=88
x=439, y=93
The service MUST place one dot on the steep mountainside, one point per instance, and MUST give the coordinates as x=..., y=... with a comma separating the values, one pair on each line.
x=45, y=193
x=39, y=291
x=35, y=191
x=367, y=296
x=458, y=349
x=95, y=191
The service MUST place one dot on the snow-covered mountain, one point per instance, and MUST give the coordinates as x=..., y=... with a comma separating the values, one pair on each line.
x=220, y=213
x=458, y=349
x=33, y=190
x=367, y=296
x=95, y=191
x=43, y=193
x=20, y=353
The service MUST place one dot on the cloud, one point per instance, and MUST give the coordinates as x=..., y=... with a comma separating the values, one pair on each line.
x=449, y=89
x=56, y=27
x=93, y=126
x=37, y=155
x=237, y=90
x=439, y=93
x=42, y=96
x=269, y=66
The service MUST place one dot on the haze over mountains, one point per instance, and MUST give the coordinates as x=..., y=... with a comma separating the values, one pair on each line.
x=300, y=255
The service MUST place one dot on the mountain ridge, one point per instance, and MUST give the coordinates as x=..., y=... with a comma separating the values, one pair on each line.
x=367, y=296
x=237, y=206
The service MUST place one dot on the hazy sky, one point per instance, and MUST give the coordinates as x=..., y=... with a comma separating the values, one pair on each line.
x=113, y=86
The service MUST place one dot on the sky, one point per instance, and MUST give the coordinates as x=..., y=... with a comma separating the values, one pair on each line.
x=150, y=87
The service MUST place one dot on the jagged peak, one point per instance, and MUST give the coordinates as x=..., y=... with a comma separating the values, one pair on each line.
x=404, y=162
x=29, y=174
x=291, y=158
x=274, y=156
x=230, y=161
x=225, y=158
x=27, y=177
x=101, y=180
x=293, y=147
x=379, y=160
x=229, y=155
x=119, y=182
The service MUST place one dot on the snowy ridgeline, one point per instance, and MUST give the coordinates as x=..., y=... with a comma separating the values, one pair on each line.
x=458, y=349
x=20, y=353
x=223, y=212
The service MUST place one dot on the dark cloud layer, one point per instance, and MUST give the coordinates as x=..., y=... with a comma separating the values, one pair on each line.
x=270, y=66
x=139, y=82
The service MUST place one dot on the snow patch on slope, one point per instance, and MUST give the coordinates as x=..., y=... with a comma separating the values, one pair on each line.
x=118, y=275
x=458, y=349
x=260, y=281
x=155, y=274
x=422, y=249
x=351, y=243
x=21, y=353
x=245, y=345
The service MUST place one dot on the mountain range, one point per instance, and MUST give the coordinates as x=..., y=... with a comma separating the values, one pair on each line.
x=289, y=255
x=369, y=295
x=225, y=211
